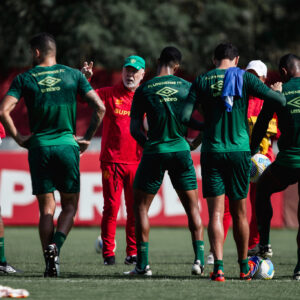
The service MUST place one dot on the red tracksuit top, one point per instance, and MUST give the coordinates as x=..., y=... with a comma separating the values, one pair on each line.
x=117, y=144
x=2, y=131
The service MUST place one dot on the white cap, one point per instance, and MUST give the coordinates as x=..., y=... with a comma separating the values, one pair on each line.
x=258, y=66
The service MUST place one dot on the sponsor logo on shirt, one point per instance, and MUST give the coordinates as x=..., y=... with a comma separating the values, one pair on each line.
x=166, y=92
x=217, y=88
x=122, y=112
x=50, y=83
x=118, y=101
x=296, y=103
x=105, y=174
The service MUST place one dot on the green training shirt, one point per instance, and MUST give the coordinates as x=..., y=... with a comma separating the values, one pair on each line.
x=226, y=131
x=50, y=96
x=288, y=124
x=162, y=99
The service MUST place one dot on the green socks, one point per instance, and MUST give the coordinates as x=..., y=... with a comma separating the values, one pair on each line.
x=142, y=255
x=244, y=266
x=218, y=265
x=2, y=256
x=58, y=239
x=199, y=251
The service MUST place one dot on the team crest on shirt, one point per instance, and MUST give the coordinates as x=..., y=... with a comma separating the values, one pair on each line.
x=166, y=92
x=118, y=101
x=217, y=88
x=296, y=103
x=50, y=83
x=105, y=174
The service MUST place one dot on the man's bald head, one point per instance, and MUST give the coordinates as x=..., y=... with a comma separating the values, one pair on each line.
x=289, y=66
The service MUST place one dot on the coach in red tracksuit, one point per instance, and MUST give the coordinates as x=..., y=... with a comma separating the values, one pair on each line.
x=119, y=157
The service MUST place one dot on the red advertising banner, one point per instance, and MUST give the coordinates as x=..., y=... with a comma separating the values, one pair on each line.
x=20, y=207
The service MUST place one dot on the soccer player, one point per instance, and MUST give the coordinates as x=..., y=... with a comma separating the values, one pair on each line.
x=285, y=170
x=223, y=95
x=4, y=266
x=119, y=157
x=164, y=149
x=259, y=69
x=49, y=90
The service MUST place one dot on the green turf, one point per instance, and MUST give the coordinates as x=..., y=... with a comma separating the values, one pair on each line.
x=83, y=275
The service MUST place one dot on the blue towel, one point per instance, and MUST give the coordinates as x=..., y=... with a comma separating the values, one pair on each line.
x=233, y=86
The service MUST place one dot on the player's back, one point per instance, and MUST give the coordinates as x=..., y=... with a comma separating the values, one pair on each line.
x=50, y=96
x=289, y=123
x=224, y=131
x=162, y=99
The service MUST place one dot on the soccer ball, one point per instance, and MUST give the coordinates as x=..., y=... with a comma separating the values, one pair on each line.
x=259, y=163
x=99, y=244
x=263, y=268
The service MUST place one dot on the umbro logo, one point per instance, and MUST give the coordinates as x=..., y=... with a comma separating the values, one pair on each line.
x=49, y=81
x=166, y=92
x=295, y=102
x=217, y=88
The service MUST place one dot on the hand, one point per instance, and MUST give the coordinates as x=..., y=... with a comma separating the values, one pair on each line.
x=23, y=140
x=87, y=69
x=277, y=87
x=82, y=143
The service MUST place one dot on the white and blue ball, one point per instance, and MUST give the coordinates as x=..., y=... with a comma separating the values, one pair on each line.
x=259, y=163
x=263, y=268
x=99, y=245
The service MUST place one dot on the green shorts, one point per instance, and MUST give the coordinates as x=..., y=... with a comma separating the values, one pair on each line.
x=151, y=170
x=225, y=173
x=54, y=168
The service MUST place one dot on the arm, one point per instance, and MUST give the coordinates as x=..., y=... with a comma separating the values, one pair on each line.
x=189, y=108
x=136, y=131
x=260, y=90
x=7, y=106
x=260, y=127
x=196, y=142
x=97, y=105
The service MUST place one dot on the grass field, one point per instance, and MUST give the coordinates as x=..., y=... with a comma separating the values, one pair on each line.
x=83, y=275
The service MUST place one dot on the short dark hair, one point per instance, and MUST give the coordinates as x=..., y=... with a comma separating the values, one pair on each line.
x=169, y=56
x=226, y=50
x=289, y=62
x=45, y=42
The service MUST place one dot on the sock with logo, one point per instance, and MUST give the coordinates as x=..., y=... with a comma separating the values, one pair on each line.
x=218, y=265
x=142, y=255
x=2, y=256
x=199, y=251
x=58, y=239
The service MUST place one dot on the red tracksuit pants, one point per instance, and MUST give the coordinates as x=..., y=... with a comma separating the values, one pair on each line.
x=115, y=178
x=254, y=234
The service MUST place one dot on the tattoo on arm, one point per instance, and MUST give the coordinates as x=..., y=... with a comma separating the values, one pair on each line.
x=96, y=103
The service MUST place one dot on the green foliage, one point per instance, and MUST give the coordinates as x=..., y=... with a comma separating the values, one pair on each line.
x=107, y=31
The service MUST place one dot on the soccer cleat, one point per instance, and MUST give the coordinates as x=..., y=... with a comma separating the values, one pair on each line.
x=110, y=260
x=197, y=268
x=142, y=272
x=296, y=276
x=8, y=269
x=251, y=272
x=130, y=260
x=219, y=276
x=52, y=261
x=265, y=251
x=210, y=259
x=254, y=251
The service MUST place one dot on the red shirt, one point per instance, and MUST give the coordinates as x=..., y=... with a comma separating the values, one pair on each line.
x=2, y=131
x=117, y=144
